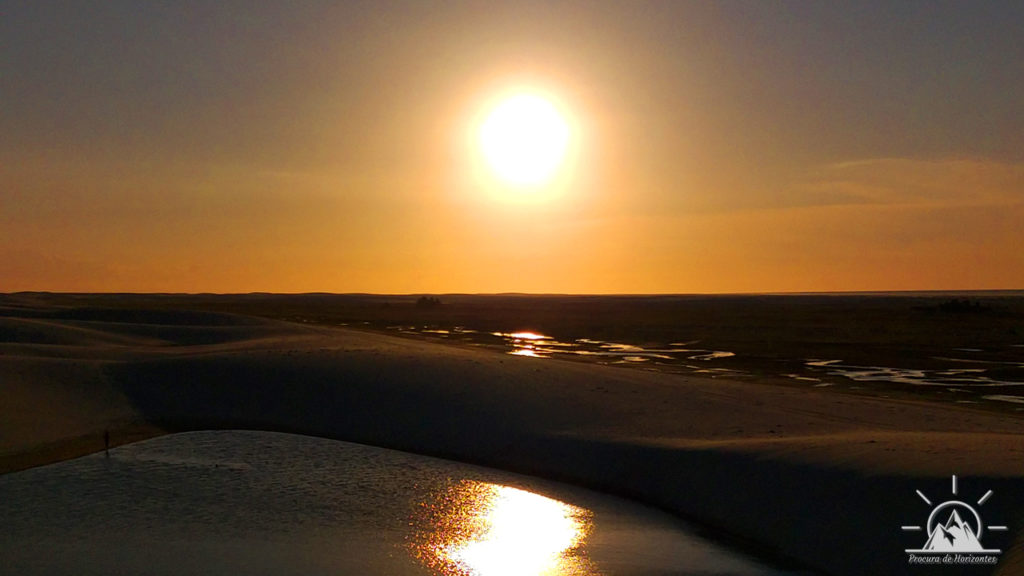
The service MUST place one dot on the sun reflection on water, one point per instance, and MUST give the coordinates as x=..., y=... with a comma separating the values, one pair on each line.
x=528, y=336
x=485, y=529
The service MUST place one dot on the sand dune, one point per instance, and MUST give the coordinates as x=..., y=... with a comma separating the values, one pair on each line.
x=60, y=333
x=823, y=478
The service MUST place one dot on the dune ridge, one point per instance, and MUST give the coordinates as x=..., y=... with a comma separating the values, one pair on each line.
x=823, y=479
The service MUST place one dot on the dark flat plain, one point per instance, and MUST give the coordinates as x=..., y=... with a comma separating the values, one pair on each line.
x=772, y=337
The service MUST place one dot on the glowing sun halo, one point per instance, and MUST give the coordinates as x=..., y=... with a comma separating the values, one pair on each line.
x=524, y=140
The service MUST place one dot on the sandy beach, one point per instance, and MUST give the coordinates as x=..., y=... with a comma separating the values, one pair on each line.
x=823, y=479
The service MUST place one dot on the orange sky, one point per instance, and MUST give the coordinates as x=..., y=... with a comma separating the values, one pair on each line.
x=716, y=147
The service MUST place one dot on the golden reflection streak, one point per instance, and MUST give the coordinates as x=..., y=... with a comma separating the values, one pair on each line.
x=485, y=529
x=528, y=336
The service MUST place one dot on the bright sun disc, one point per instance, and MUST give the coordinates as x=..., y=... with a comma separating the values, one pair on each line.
x=524, y=140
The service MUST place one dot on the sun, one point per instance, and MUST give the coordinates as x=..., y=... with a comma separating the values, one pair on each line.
x=524, y=139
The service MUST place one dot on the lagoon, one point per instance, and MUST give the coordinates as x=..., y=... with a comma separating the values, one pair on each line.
x=229, y=502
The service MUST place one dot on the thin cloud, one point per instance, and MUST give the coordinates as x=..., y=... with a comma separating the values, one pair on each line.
x=948, y=182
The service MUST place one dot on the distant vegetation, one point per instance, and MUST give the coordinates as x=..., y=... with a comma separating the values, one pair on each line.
x=428, y=302
x=958, y=306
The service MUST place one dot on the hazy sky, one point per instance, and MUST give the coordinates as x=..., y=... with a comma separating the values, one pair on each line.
x=327, y=146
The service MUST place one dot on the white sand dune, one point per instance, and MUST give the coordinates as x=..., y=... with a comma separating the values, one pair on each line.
x=822, y=478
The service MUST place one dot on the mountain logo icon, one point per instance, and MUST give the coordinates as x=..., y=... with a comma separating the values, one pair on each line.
x=953, y=536
x=954, y=526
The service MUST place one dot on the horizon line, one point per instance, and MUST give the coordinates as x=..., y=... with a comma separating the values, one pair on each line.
x=910, y=292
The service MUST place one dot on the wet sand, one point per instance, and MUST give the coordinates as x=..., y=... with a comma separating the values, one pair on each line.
x=821, y=478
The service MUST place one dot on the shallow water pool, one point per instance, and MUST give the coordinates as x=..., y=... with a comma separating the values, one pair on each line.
x=231, y=502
